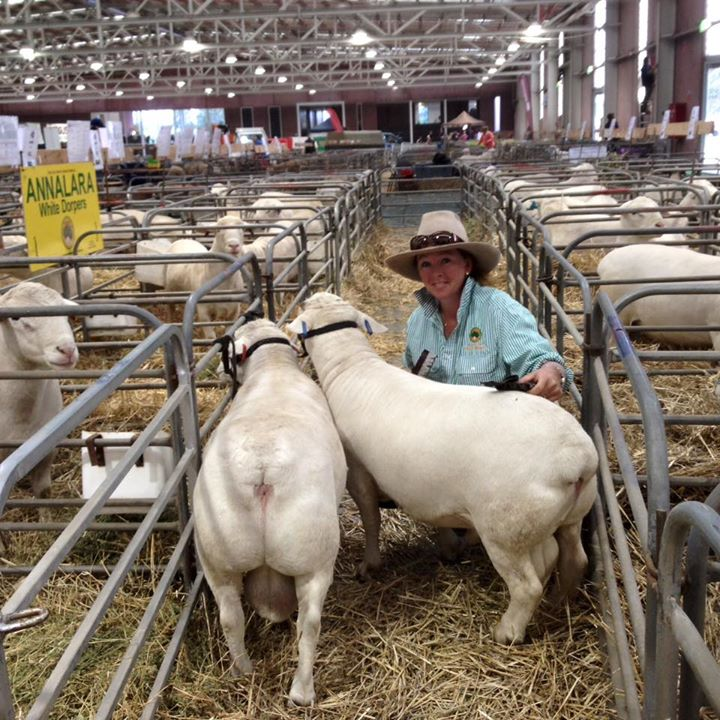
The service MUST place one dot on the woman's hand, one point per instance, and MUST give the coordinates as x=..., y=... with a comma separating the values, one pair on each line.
x=548, y=381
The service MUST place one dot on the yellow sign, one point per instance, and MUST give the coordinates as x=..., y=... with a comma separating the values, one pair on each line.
x=60, y=204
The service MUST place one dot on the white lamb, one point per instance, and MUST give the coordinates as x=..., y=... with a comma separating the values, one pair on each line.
x=192, y=275
x=517, y=469
x=266, y=501
x=33, y=343
x=644, y=262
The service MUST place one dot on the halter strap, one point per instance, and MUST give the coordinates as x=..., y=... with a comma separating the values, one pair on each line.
x=332, y=327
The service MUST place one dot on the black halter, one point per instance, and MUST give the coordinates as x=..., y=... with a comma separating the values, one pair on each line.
x=332, y=327
x=231, y=360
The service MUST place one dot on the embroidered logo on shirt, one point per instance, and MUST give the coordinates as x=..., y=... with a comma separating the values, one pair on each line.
x=475, y=335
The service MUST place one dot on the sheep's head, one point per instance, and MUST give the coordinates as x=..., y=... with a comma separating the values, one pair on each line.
x=229, y=239
x=646, y=217
x=41, y=341
x=324, y=308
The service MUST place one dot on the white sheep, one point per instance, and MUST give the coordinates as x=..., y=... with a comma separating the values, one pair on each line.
x=33, y=343
x=191, y=276
x=265, y=502
x=124, y=219
x=644, y=262
x=517, y=469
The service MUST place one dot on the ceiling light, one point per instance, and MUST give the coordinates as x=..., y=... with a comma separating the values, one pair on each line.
x=180, y=83
x=69, y=101
x=514, y=46
x=485, y=78
x=492, y=71
x=478, y=84
x=191, y=45
x=144, y=75
x=79, y=87
x=27, y=52
x=590, y=69
x=282, y=79
x=29, y=80
x=385, y=75
x=231, y=94
x=231, y=59
x=150, y=97
x=208, y=91
x=395, y=87
x=704, y=25
x=312, y=91
x=379, y=65
x=96, y=66
x=119, y=93
x=299, y=86
x=360, y=37
x=391, y=83
x=259, y=70
x=30, y=97
x=534, y=30
x=118, y=16
x=370, y=54
x=500, y=60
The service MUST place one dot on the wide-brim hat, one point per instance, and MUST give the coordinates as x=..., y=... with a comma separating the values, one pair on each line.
x=440, y=231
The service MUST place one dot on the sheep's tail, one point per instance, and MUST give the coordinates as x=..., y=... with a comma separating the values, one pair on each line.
x=271, y=593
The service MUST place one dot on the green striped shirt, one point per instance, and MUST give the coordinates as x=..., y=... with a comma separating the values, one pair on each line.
x=495, y=337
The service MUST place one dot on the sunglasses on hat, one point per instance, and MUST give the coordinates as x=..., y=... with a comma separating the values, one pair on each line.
x=436, y=239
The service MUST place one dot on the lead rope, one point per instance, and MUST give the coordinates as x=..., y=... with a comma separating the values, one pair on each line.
x=229, y=359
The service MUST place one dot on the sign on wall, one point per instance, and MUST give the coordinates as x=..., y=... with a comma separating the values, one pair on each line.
x=60, y=204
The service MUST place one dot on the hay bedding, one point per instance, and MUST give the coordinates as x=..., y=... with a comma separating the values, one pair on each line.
x=413, y=642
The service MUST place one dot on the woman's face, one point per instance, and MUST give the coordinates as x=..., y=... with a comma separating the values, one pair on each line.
x=443, y=273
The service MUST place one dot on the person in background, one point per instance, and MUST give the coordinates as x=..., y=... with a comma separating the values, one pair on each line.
x=647, y=79
x=466, y=332
x=487, y=138
x=309, y=145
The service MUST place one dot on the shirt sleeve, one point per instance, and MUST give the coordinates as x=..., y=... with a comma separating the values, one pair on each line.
x=524, y=349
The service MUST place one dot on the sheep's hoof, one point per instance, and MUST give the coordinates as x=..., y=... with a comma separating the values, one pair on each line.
x=241, y=666
x=364, y=568
x=505, y=634
x=300, y=695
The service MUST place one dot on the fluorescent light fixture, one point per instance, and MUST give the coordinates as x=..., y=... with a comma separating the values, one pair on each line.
x=30, y=97
x=231, y=59
x=360, y=37
x=478, y=84
x=385, y=75
x=299, y=86
x=500, y=60
x=492, y=71
x=119, y=93
x=370, y=54
x=79, y=87
x=144, y=75
x=590, y=70
x=379, y=65
x=231, y=94
x=534, y=30
x=313, y=91
x=391, y=83
x=180, y=83
x=191, y=45
x=704, y=25
x=29, y=80
x=514, y=46
x=118, y=16
x=395, y=87
x=485, y=78
x=150, y=97
x=27, y=53
x=96, y=66
x=259, y=70
x=69, y=101
x=208, y=91
x=282, y=79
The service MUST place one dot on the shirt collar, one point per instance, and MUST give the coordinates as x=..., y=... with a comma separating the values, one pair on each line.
x=431, y=308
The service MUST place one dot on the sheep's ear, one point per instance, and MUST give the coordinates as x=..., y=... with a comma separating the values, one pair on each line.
x=370, y=325
x=297, y=326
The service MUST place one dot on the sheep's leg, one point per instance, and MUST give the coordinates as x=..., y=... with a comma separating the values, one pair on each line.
x=573, y=561
x=232, y=620
x=40, y=479
x=518, y=571
x=363, y=490
x=545, y=557
x=311, y=591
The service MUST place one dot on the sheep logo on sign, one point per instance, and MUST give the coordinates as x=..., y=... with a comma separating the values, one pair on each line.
x=68, y=232
x=475, y=335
